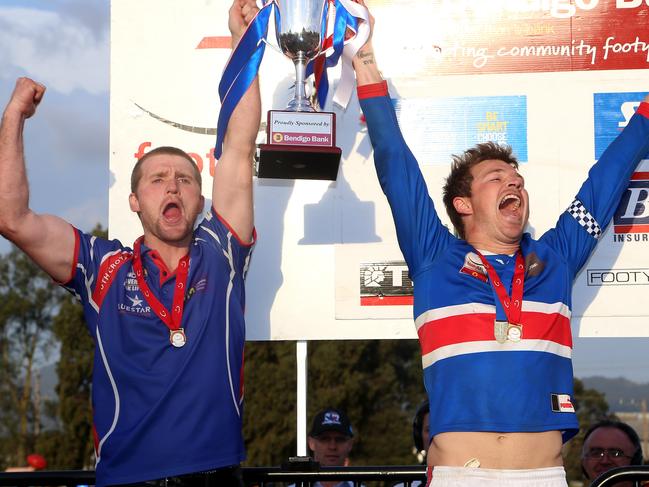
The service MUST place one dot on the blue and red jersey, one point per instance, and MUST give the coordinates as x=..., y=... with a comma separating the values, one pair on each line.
x=159, y=410
x=473, y=381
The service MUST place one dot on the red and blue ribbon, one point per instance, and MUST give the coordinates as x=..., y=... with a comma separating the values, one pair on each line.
x=242, y=68
x=243, y=65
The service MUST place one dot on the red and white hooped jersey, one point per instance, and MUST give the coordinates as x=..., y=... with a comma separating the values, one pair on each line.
x=474, y=382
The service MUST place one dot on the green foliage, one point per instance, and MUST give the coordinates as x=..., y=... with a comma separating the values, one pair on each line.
x=591, y=406
x=72, y=446
x=28, y=302
x=270, y=397
x=378, y=384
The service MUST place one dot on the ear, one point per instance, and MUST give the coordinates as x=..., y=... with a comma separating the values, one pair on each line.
x=462, y=205
x=311, y=442
x=134, y=203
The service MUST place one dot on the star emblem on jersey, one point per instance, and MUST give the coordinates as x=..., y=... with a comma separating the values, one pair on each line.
x=136, y=301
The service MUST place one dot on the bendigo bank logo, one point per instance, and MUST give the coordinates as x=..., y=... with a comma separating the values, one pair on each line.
x=385, y=284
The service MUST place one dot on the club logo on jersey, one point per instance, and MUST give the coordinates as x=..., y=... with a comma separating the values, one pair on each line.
x=130, y=283
x=474, y=267
x=533, y=265
x=135, y=305
x=561, y=403
x=200, y=285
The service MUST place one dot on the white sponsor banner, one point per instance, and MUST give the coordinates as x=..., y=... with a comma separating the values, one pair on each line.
x=317, y=238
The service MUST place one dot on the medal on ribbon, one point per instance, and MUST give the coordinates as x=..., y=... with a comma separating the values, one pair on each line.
x=173, y=319
x=500, y=331
x=512, y=329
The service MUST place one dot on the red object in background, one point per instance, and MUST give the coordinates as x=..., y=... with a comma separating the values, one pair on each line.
x=37, y=461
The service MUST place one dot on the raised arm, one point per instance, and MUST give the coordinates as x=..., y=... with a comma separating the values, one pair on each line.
x=232, y=186
x=367, y=72
x=580, y=226
x=420, y=233
x=47, y=239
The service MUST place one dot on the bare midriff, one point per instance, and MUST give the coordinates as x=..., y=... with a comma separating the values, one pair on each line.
x=513, y=451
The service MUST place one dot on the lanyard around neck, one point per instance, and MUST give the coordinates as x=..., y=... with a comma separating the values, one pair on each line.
x=173, y=318
x=511, y=305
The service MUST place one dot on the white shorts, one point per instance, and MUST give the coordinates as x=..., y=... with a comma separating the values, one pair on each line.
x=464, y=476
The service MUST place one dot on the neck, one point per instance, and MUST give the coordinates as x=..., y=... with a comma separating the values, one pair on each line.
x=494, y=247
x=170, y=252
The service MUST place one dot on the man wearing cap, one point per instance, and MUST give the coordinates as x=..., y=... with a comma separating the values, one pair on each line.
x=331, y=440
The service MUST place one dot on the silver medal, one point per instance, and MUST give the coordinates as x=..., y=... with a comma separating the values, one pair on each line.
x=514, y=332
x=500, y=331
x=177, y=337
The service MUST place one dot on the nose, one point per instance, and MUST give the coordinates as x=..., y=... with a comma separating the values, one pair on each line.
x=172, y=186
x=515, y=181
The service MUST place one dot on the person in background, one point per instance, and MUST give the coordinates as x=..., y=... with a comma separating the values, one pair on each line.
x=421, y=430
x=609, y=444
x=331, y=439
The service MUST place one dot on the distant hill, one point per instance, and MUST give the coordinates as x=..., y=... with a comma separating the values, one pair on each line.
x=622, y=395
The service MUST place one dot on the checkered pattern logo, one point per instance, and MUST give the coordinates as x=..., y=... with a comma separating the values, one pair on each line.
x=584, y=218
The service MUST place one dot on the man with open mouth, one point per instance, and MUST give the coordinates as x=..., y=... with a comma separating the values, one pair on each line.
x=492, y=305
x=167, y=316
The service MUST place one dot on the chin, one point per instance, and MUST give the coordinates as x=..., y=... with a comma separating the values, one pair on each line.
x=176, y=234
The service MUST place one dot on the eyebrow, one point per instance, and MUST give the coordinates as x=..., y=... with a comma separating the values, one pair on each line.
x=165, y=172
x=501, y=170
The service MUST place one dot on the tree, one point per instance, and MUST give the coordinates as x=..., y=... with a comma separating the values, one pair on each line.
x=378, y=384
x=270, y=398
x=28, y=302
x=591, y=406
x=72, y=446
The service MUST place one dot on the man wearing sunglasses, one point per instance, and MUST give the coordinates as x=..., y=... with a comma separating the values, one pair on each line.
x=609, y=444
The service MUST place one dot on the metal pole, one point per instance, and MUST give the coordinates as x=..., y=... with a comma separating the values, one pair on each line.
x=301, y=351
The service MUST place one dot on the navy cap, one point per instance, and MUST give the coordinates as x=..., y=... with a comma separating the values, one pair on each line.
x=331, y=419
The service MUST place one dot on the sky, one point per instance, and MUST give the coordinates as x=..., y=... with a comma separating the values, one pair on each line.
x=65, y=44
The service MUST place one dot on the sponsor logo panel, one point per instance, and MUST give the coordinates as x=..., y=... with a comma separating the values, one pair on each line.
x=432, y=135
x=618, y=277
x=612, y=113
x=385, y=284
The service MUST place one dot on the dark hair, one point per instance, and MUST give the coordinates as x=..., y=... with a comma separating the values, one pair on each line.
x=636, y=459
x=458, y=182
x=417, y=424
x=136, y=174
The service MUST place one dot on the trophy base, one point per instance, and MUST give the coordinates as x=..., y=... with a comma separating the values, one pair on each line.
x=277, y=161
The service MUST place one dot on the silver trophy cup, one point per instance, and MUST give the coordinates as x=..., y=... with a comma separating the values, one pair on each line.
x=299, y=38
x=301, y=142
